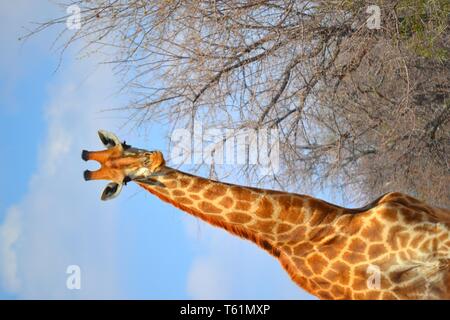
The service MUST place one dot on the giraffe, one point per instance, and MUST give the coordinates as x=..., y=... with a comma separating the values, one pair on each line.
x=396, y=247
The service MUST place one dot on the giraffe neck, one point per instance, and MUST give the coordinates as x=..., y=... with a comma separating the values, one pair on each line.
x=327, y=250
x=272, y=219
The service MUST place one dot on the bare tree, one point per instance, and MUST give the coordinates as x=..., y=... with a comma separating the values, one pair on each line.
x=364, y=110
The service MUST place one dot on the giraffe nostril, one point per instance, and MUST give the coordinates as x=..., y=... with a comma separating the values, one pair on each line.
x=87, y=175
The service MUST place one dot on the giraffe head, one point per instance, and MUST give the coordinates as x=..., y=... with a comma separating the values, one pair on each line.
x=121, y=163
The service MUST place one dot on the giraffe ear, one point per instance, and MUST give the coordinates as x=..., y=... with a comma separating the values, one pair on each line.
x=111, y=191
x=109, y=139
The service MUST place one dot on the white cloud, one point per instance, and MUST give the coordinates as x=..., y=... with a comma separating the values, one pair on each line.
x=206, y=280
x=9, y=234
x=234, y=268
x=61, y=220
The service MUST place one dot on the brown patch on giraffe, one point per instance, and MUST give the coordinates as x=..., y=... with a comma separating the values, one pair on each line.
x=282, y=216
x=297, y=201
x=313, y=285
x=289, y=213
x=322, y=294
x=333, y=246
x=443, y=237
x=338, y=241
x=303, y=267
x=344, y=220
x=359, y=284
x=302, y=249
x=265, y=208
x=242, y=205
x=426, y=228
x=343, y=272
x=426, y=245
x=195, y=197
x=376, y=250
x=243, y=194
x=392, y=236
x=373, y=295
x=329, y=251
x=318, y=234
x=349, y=223
x=403, y=239
x=372, y=232
x=332, y=275
x=284, y=201
x=325, y=212
x=417, y=240
x=353, y=257
x=330, y=217
x=410, y=216
x=226, y=202
x=294, y=237
x=434, y=244
x=317, y=263
x=215, y=191
x=263, y=226
x=238, y=217
x=354, y=224
x=292, y=215
x=287, y=249
x=357, y=245
x=178, y=193
x=337, y=291
x=316, y=218
x=283, y=227
x=171, y=184
x=184, y=183
x=295, y=216
x=321, y=282
x=183, y=200
x=389, y=215
x=198, y=185
x=208, y=207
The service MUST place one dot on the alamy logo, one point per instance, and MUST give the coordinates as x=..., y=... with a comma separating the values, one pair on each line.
x=73, y=21
x=374, y=279
x=232, y=147
x=73, y=281
x=374, y=20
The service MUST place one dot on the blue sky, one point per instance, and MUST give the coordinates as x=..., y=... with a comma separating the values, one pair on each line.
x=50, y=218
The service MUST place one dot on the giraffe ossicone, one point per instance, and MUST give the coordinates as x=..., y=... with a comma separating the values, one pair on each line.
x=396, y=247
